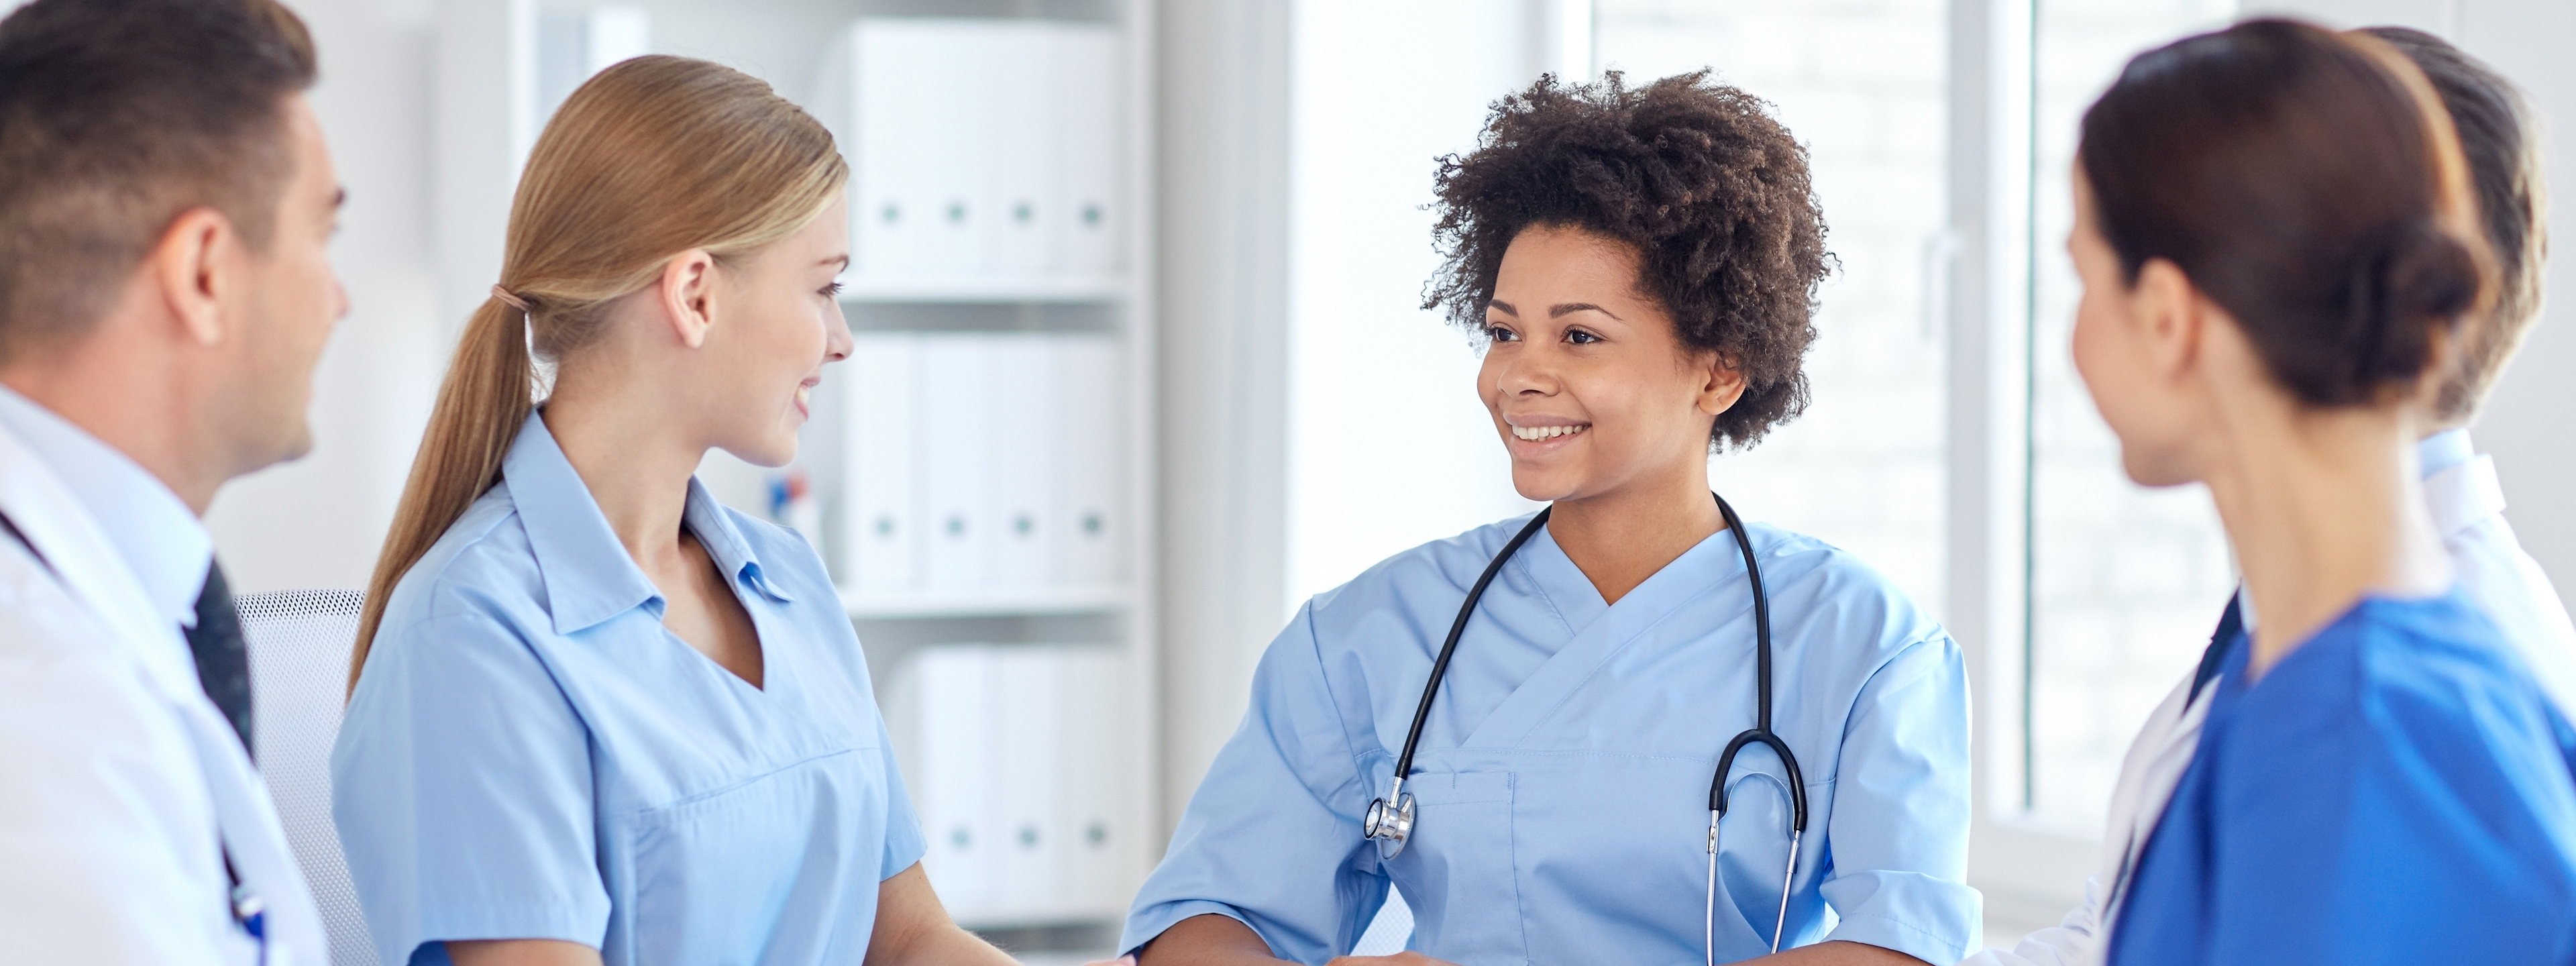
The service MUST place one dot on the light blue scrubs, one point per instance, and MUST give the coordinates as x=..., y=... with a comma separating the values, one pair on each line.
x=1562, y=780
x=2396, y=790
x=531, y=755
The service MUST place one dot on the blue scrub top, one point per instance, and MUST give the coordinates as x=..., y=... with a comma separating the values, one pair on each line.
x=529, y=754
x=2396, y=790
x=1562, y=780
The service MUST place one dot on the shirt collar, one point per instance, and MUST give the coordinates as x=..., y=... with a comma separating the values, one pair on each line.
x=588, y=574
x=2443, y=450
x=150, y=528
x=2460, y=487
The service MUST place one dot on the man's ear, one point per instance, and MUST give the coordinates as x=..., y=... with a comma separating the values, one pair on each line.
x=688, y=293
x=191, y=266
x=2173, y=314
x=1723, y=384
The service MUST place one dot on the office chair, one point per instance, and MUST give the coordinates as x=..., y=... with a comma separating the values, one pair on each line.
x=299, y=676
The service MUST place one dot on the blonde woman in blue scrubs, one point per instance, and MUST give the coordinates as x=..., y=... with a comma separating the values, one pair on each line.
x=596, y=717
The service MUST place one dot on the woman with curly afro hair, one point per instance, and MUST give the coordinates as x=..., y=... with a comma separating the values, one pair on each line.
x=1640, y=265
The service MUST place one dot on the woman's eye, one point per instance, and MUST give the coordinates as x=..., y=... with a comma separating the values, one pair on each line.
x=832, y=291
x=1580, y=337
x=1500, y=334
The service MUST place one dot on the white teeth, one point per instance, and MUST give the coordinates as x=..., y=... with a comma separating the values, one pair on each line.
x=1546, y=432
x=802, y=392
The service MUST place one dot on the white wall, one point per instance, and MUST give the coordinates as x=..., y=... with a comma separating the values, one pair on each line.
x=319, y=521
x=1221, y=285
x=1389, y=446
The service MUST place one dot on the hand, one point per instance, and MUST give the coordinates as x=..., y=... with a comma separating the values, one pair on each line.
x=1406, y=958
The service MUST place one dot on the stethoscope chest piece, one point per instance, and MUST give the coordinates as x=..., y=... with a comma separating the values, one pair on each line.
x=1390, y=826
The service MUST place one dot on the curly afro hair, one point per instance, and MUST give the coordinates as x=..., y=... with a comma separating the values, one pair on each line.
x=1711, y=191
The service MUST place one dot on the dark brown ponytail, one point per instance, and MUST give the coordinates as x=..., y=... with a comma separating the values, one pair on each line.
x=2305, y=181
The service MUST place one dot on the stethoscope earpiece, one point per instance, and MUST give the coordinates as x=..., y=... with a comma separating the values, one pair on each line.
x=1391, y=826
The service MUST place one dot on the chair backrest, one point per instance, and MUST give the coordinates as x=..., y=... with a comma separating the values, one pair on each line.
x=299, y=674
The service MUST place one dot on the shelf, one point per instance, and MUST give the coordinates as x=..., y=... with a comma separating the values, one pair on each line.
x=920, y=604
x=1080, y=290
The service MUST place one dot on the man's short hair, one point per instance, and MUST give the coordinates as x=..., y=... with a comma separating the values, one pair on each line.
x=115, y=117
x=2498, y=139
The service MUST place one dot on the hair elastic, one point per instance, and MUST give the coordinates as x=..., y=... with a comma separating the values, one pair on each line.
x=510, y=300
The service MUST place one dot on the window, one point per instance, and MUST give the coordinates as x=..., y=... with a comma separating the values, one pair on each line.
x=1863, y=83
x=2124, y=583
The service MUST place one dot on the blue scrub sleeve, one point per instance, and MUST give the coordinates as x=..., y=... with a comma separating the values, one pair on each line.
x=2423, y=835
x=1899, y=826
x=461, y=786
x=904, y=845
x=1272, y=837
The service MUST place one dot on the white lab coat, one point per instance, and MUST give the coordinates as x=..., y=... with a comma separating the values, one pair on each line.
x=2467, y=505
x=120, y=782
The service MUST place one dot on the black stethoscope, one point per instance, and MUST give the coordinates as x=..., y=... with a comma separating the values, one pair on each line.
x=1390, y=825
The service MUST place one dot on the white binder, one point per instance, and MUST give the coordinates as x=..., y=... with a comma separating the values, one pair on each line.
x=939, y=708
x=1089, y=105
x=1021, y=465
x=1030, y=709
x=1091, y=461
x=1094, y=812
x=872, y=97
x=1015, y=757
x=1017, y=164
x=982, y=149
x=881, y=533
x=956, y=499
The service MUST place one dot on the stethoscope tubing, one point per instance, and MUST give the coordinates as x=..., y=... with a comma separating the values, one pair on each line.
x=1449, y=647
x=1760, y=733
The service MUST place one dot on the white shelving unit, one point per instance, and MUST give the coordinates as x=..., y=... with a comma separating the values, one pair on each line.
x=1075, y=291
x=931, y=604
x=491, y=79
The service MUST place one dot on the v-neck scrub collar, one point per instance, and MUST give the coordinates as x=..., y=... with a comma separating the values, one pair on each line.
x=589, y=576
x=530, y=753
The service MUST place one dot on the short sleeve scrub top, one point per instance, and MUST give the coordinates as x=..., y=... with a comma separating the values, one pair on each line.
x=2396, y=790
x=530, y=755
x=1562, y=779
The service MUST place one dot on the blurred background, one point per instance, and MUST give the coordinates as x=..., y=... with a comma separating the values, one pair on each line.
x=1141, y=365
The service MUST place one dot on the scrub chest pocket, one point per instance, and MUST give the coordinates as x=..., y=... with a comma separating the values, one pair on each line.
x=708, y=863
x=1460, y=858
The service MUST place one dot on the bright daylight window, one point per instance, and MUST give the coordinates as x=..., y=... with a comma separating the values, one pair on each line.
x=2124, y=583
x=1863, y=84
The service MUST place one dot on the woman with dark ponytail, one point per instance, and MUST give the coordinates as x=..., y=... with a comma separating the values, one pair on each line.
x=2278, y=247
x=596, y=717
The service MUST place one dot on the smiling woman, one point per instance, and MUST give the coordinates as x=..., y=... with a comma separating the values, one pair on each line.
x=1641, y=266
x=597, y=717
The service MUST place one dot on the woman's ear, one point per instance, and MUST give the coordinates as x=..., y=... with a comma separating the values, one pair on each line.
x=1722, y=384
x=687, y=294
x=2172, y=314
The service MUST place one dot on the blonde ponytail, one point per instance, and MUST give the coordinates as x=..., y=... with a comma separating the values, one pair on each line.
x=476, y=420
x=653, y=157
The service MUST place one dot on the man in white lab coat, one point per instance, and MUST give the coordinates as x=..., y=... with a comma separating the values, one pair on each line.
x=166, y=204
x=2466, y=502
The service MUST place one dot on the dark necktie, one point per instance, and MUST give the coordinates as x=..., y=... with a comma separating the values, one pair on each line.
x=2231, y=625
x=223, y=661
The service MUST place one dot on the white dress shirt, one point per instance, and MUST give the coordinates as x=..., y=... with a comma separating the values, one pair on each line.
x=124, y=784
x=2467, y=505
